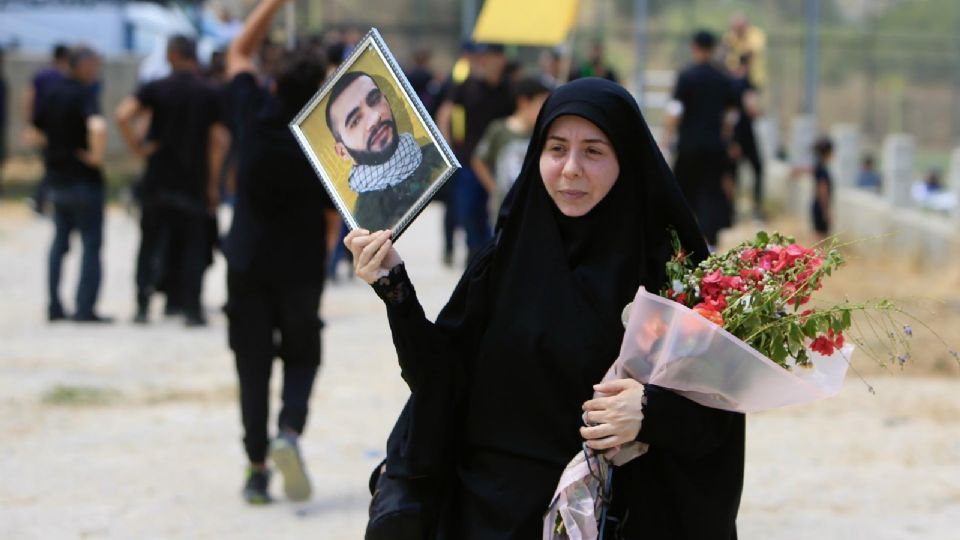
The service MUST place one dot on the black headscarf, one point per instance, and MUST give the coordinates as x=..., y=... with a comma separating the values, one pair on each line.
x=557, y=285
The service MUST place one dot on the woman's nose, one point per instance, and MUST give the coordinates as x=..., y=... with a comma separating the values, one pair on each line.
x=572, y=169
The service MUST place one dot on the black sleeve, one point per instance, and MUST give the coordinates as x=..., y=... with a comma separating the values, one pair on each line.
x=680, y=88
x=244, y=97
x=91, y=102
x=683, y=426
x=427, y=350
x=146, y=95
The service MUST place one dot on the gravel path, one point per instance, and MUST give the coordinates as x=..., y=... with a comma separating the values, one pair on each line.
x=133, y=432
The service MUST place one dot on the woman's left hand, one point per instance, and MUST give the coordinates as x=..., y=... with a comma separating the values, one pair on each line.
x=614, y=418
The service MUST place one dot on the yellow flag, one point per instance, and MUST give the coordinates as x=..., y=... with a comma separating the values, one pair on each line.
x=525, y=22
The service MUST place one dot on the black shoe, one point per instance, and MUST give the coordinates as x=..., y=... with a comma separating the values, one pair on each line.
x=255, y=488
x=56, y=314
x=92, y=318
x=194, y=320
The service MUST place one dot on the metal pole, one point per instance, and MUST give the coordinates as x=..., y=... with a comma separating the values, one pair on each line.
x=810, y=88
x=290, y=19
x=640, y=32
x=468, y=17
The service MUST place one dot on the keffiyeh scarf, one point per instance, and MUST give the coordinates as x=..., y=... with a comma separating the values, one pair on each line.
x=399, y=167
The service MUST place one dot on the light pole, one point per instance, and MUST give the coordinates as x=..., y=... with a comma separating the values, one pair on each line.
x=810, y=83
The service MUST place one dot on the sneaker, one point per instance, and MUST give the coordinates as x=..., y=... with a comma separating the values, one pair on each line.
x=194, y=320
x=255, y=489
x=56, y=313
x=142, y=317
x=285, y=454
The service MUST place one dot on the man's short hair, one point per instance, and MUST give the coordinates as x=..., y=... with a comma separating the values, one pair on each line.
x=704, y=40
x=528, y=87
x=80, y=53
x=60, y=52
x=346, y=80
x=185, y=47
x=298, y=76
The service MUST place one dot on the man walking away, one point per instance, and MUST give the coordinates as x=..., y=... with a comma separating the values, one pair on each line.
x=184, y=149
x=275, y=254
x=744, y=145
x=702, y=111
x=76, y=137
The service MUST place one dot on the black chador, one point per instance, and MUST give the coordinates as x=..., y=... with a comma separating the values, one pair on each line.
x=499, y=379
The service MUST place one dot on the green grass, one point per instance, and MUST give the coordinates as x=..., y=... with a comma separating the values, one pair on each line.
x=74, y=396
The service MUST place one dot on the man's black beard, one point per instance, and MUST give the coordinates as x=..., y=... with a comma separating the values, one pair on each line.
x=367, y=157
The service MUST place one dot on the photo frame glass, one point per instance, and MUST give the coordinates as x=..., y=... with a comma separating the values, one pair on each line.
x=377, y=151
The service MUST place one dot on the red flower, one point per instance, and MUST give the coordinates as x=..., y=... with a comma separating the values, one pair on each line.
x=837, y=339
x=795, y=251
x=709, y=313
x=822, y=345
x=751, y=274
x=748, y=255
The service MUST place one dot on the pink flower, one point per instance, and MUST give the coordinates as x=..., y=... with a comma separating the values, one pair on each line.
x=748, y=255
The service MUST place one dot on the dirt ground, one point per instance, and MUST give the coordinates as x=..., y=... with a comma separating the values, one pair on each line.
x=133, y=432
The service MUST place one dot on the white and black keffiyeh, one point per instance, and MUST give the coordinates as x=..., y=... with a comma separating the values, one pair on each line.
x=399, y=167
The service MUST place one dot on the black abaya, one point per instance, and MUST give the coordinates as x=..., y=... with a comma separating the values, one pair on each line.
x=498, y=381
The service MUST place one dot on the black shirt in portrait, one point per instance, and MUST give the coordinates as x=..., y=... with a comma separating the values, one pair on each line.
x=62, y=117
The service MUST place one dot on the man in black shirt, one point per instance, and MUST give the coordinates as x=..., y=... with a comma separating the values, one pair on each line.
x=701, y=111
x=745, y=142
x=184, y=149
x=76, y=136
x=275, y=252
x=484, y=97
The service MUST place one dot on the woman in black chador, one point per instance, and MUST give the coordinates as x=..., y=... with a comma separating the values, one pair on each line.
x=499, y=382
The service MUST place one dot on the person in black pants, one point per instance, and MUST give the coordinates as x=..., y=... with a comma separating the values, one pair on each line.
x=184, y=148
x=744, y=140
x=276, y=251
x=701, y=111
x=76, y=136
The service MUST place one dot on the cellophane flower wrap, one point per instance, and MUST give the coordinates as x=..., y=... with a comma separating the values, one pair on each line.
x=734, y=333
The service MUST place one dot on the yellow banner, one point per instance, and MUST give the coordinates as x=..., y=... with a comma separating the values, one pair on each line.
x=525, y=22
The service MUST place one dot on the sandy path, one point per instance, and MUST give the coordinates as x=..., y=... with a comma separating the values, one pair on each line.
x=153, y=450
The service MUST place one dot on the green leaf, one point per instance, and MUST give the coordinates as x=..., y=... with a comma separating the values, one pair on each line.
x=846, y=319
x=778, y=351
x=810, y=328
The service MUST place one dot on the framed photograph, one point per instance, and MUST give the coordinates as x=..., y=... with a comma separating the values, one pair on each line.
x=375, y=148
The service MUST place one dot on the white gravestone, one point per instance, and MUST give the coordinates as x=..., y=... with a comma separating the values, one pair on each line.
x=953, y=180
x=897, y=165
x=846, y=154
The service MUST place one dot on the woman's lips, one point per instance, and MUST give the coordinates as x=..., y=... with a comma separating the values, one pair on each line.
x=572, y=194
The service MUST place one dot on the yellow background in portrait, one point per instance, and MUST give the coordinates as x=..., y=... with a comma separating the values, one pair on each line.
x=320, y=139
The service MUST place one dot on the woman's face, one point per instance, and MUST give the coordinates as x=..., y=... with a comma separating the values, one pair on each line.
x=578, y=165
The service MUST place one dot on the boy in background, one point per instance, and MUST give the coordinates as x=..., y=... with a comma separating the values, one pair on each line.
x=499, y=154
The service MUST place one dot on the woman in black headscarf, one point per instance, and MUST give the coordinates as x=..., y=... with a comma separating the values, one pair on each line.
x=500, y=380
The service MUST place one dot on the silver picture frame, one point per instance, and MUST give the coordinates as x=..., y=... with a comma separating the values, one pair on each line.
x=316, y=137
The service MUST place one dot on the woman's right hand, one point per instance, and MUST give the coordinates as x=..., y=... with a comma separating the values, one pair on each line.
x=373, y=253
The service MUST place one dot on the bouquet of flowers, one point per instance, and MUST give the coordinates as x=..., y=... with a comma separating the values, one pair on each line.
x=735, y=332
